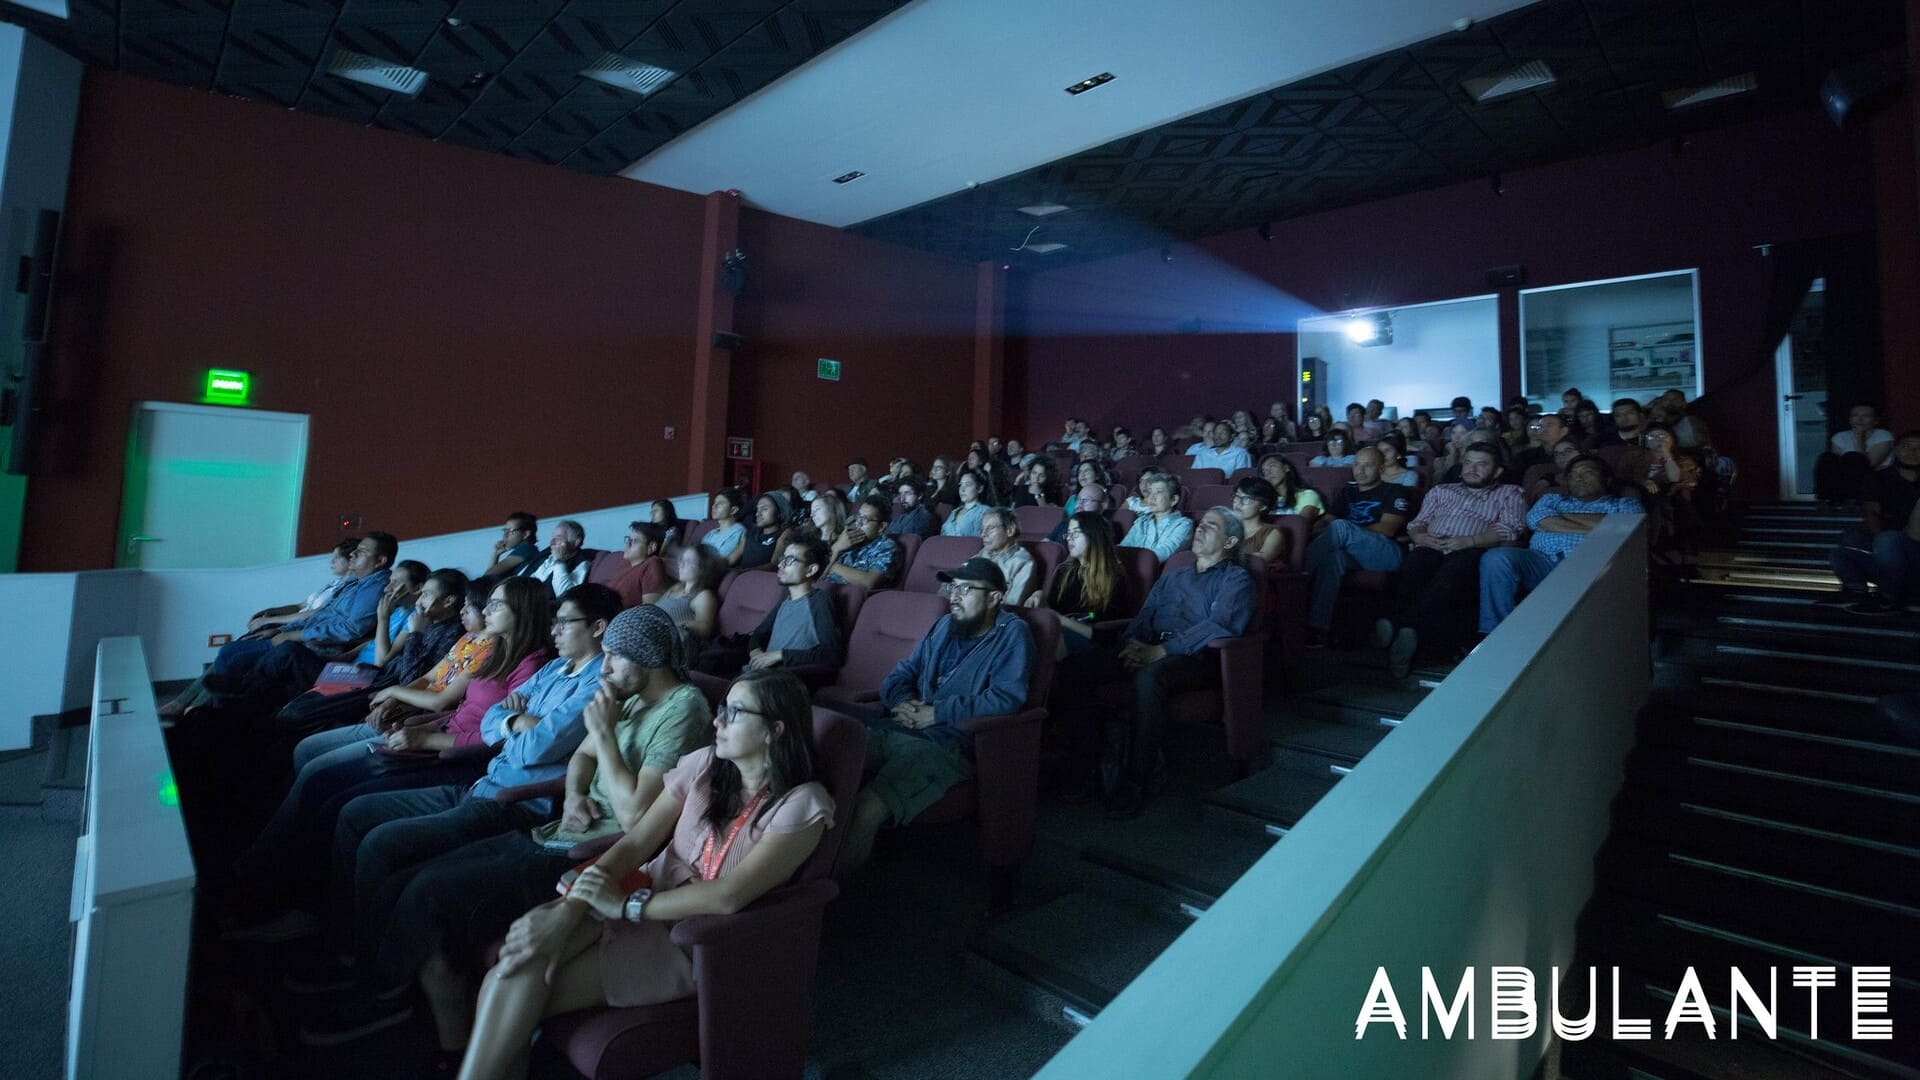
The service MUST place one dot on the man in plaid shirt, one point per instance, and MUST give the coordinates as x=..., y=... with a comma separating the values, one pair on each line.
x=1438, y=591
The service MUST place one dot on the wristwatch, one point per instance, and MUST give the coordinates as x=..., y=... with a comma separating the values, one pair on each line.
x=637, y=904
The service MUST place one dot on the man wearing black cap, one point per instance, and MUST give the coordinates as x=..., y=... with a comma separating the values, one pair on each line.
x=974, y=662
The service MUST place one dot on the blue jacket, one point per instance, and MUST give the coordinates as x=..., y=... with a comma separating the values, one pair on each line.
x=988, y=681
x=542, y=751
x=1187, y=609
x=347, y=618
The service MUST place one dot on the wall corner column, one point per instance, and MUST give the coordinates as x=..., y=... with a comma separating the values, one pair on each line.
x=989, y=349
x=712, y=367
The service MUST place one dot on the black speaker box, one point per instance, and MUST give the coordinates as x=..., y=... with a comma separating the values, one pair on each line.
x=1507, y=277
x=1852, y=92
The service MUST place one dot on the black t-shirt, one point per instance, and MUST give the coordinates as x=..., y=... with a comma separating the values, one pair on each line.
x=1368, y=507
x=1896, y=496
x=757, y=548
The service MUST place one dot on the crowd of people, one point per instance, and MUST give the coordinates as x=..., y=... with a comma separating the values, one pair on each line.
x=391, y=725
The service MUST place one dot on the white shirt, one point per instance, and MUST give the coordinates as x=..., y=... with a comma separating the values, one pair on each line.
x=1228, y=459
x=1017, y=564
x=556, y=575
x=1845, y=443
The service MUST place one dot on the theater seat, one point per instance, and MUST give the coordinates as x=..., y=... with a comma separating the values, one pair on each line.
x=1139, y=568
x=607, y=566
x=891, y=623
x=1287, y=595
x=1036, y=522
x=1047, y=557
x=1123, y=519
x=746, y=601
x=937, y=553
x=1327, y=479
x=694, y=530
x=1194, y=478
x=1204, y=497
x=1004, y=794
x=751, y=1014
x=909, y=547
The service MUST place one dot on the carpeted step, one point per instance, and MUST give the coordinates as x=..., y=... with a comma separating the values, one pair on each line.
x=1841, y=714
x=1848, y=927
x=1804, y=628
x=1196, y=851
x=1337, y=712
x=1802, y=670
x=1083, y=946
x=1277, y=796
x=1883, y=871
x=1777, y=794
x=1873, y=763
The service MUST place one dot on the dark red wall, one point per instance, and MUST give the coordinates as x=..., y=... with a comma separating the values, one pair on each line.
x=1102, y=340
x=901, y=324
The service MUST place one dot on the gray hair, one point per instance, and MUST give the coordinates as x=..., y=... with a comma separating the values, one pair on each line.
x=1008, y=519
x=1230, y=526
x=578, y=530
x=1171, y=480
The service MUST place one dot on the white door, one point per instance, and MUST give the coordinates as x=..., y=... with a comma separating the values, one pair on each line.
x=209, y=486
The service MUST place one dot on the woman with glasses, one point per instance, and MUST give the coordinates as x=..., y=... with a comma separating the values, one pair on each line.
x=1088, y=585
x=737, y=819
x=970, y=515
x=388, y=754
x=1253, y=500
x=693, y=602
x=1339, y=451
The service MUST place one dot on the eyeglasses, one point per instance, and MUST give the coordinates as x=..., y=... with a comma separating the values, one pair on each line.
x=961, y=588
x=494, y=605
x=791, y=560
x=558, y=621
x=728, y=712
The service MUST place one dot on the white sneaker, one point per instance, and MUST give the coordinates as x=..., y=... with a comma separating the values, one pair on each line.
x=1382, y=633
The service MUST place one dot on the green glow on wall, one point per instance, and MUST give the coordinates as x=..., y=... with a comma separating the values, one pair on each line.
x=169, y=792
x=228, y=387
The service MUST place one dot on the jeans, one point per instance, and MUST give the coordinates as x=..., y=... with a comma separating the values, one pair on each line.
x=1436, y=593
x=1887, y=558
x=1505, y=573
x=384, y=839
x=1342, y=547
x=325, y=742
x=463, y=900
x=1153, y=689
x=238, y=657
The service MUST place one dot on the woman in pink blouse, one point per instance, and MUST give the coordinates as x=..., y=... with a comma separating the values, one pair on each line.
x=737, y=818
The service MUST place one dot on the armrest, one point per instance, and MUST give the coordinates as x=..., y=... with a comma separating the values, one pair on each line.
x=773, y=917
x=1241, y=685
x=471, y=754
x=426, y=718
x=545, y=789
x=848, y=695
x=594, y=848
x=976, y=725
x=815, y=676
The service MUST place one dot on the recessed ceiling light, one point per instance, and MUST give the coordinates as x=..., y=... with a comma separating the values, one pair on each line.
x=1047, y=248
x=1085, y=85
x=1531, y=75
x=849, y=177
x=1042, y=209
x=373, y=71
x=1689, y=96
x=624, y=73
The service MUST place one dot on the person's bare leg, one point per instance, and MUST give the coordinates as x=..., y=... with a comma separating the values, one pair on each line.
x=450, y=996
x=511, y=1007
x=869, y=814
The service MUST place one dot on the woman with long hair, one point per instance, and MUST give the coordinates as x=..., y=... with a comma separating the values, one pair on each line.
x=737, y=820
x=968, y=517
x=994, y=491
x=693, y=602
x=940, y=483
x=826, y=520
x=1038, y=487
x=665, y=516
x=1158, y=445
x=1393, y=460
x=1291, y=494
x=1518, y=419
x=1085, y=475
x=1088, y=584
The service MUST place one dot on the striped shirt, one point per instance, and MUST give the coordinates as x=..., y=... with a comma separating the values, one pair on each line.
x=1458, y=510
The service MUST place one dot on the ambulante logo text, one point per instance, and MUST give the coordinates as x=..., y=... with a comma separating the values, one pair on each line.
x=1513, y=1011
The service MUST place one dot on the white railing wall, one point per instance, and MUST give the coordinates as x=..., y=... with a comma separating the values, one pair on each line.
x=55, y=620
x=1465, y=838
x=133, y=880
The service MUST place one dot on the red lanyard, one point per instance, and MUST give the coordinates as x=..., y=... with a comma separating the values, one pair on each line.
x=710, y=860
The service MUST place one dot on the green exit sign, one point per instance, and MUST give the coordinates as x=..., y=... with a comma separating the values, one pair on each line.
x=828, y=369
x=228, y=387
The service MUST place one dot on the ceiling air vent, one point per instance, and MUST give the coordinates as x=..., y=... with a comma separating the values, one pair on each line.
x=1531, y=75
x=634, y=77
x=1689, y=96
x=373, y=71
x=1047, y=248
x=1042, y=209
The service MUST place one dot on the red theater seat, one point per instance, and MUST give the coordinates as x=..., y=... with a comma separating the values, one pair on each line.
x=891, y=623
x=937, y=553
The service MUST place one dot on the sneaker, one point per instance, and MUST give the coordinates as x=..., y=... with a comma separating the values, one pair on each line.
x=329, y=975
x=1400, y=653
x=290, y=925
x=1382, y=633
x=356, y=1019
x=1875, y=605
x=1841, y=598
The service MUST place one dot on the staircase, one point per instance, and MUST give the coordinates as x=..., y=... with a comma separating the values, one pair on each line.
x=1767, y=819
x=1103, y=898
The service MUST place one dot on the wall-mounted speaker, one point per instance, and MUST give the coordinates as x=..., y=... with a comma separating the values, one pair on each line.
x=1851, y=92
x=1507, y=277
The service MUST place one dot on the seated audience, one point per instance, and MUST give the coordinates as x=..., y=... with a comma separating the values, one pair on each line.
x=1339, y=453
x=1588, y=428
x=567, y=561
x=826, y=520
x=1559, y=523
x=972, y=487
x=1088, y=500
x=1158, y=444
x=1885, y=548
x=693, y=602
x=1627, y=427
x=802, y=484
x=864, y=554
x=665, y=516
x=1393, y=458
x=859, y=484
x=1164, y=651
x=1000, y=543
x=515, y=553
x=728, y=536
x=1086, y=474
x=800, y=631
x=643, y=572
x=1253, y=500
x=382, y=839
x=1689, y=431
x=911, y=514
x=974, y=662
x=641, y=721
x=1037, y=486
x=1218, y=452
x=1440, y=574
x=1460, y=411
x=1089, y=584
x=1547, y=429
x=603, y=945
x=940, y=481
x=1017, y=455
x=1362, y=532
x=1481, y=437
x=1162, y=527
x=1123, y=445
x=1840, y=474
x=1292, y=495
x=771, y=513
x=1489, y=419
